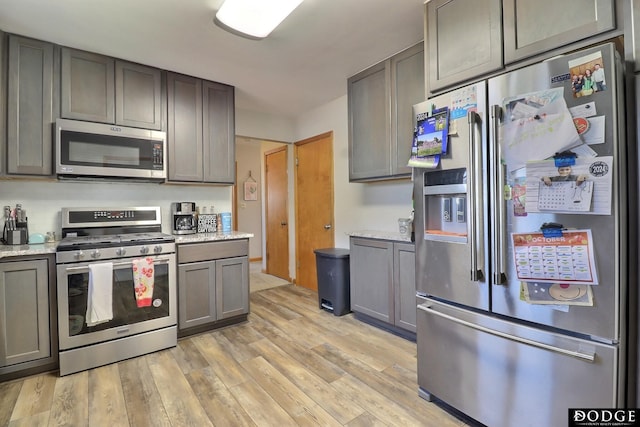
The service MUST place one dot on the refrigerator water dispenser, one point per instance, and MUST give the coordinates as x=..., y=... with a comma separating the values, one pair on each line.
x=445, y=205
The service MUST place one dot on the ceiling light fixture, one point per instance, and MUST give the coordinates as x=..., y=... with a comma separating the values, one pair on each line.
x=254, y=19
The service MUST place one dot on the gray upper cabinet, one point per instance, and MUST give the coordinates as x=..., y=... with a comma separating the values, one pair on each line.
x=184, y=128
x=201, y=130
x=369, y=123
x=380, y=116
x=138, y=96
x=567, y=21
x=463, y=39
x=87, y=86
x=102, y=89
x=407, y=78
x=31, y=106
x=218, y=125
x=3, y=102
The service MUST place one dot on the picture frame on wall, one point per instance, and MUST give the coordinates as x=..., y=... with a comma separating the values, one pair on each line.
x=251, y=190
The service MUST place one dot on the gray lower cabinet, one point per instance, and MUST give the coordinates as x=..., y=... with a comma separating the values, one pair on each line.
x=27, y=321
x=380, y=115
x=201, y=130
x=102, y=89
x=213, y=285
x=382, y=282
x=31, y=106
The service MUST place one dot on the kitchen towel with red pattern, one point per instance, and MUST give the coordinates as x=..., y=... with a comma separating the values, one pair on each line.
x=143, y=281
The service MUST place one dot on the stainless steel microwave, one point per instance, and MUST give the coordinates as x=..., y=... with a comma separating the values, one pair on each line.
x=98, y=150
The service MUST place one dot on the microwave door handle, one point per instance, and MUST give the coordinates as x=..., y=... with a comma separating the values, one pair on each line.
x=476, y=202
x=117, y=265
x=498, y=203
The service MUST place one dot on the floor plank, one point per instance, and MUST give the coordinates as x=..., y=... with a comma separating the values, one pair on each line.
x=289, y=364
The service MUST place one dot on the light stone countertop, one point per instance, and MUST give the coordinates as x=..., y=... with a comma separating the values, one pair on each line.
x=211, y=237
x=50, y=248
x=21, y=250
x=381, y=235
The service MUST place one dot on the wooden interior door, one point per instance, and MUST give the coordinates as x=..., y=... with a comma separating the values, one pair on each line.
x=276, y=213
x=314, y=204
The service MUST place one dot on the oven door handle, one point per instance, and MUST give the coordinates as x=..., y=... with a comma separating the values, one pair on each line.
x=121, y=264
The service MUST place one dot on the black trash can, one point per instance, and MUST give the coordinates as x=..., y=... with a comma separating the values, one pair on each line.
x=332, y=265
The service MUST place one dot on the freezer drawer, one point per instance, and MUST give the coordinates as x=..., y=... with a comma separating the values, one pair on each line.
x=503, y=374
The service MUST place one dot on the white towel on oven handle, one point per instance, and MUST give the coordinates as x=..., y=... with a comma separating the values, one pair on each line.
x=100, y=294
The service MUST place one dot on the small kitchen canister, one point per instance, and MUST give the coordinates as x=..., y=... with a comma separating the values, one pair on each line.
x=404, y=226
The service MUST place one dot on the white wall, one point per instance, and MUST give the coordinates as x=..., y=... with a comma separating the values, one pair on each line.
x=43, y=200
x=358, y=206
x=248, y=161
x=264, y=126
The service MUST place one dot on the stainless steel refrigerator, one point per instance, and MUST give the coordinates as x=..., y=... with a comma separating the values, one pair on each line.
x=486, y=345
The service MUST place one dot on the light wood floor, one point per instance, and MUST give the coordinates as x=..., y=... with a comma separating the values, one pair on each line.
x=290, y=364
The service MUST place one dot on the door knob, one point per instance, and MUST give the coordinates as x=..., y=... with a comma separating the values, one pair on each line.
x=283, y=223
x=327, y=226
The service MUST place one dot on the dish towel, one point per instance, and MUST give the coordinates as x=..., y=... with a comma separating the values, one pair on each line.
x=100, y=294
x=143, y=281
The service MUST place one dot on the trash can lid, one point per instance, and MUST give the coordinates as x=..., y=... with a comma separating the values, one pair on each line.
x=333, y=252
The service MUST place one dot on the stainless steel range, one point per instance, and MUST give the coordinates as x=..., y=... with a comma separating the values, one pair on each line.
x=116, y=275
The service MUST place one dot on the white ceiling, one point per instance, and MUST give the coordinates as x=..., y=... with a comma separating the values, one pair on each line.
x=304, y=63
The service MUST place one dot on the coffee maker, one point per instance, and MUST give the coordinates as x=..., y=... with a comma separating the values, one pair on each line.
x=184, y=217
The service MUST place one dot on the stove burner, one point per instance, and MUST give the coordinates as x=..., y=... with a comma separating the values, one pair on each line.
x=108, y=241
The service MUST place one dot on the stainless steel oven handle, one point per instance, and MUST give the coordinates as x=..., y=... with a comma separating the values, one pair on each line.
x=120, y=264
x=590, y=357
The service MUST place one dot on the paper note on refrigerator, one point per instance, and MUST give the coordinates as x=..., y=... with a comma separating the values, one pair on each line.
x=566, y=259
x=536, y=126
x=583, y=188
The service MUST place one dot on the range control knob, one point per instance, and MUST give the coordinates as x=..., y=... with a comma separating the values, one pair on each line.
x=79, y=255
x=157, y=249
x=144, y=250
x=95, y=254
x=121, y=251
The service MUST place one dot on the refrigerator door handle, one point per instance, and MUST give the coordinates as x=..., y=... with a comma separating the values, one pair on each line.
x=498, y=209
x=475, y=193
x=590, y=357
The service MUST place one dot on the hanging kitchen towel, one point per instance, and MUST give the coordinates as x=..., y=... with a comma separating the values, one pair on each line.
x=143, y=281
x=100, y=295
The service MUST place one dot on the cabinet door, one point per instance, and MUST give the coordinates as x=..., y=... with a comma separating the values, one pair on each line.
x=3, y=103
x=404, y=268
x=407, y=89
x=196, y=294
x=184, y=136
x=567, y=21
x=369, y=123
x=87, y=86
x=24, y=312
x=232, y=290
x=218, y=128
x=138, y=96
x=30, y=107
x=371, y=278
x=464, y=40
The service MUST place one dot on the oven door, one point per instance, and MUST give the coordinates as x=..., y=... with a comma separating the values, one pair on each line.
x=128, y=318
